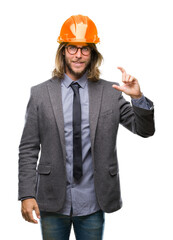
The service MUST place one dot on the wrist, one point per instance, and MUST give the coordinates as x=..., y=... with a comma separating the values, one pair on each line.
x=136, y=96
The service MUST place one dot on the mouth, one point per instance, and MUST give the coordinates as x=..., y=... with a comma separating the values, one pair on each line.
x=78, y=64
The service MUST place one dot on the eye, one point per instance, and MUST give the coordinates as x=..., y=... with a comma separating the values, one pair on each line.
x=85, y=49
x=71, y=47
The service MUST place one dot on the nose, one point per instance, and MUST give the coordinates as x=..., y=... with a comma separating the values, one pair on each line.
x=78, y=53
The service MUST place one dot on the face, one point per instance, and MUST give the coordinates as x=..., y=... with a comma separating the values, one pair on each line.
x=76, y=64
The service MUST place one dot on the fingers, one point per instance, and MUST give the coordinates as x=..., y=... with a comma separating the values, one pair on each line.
x=28, y=206
x=126, y=78
x=28, y=216
x=130, y=85
x=37, y=211
x=121, y=69
x=129, y=79
x=123, y=73
x=119, y=88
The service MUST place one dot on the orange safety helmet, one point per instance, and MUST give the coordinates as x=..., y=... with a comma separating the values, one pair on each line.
x=78, y=28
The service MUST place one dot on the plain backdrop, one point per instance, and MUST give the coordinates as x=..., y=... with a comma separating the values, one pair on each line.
x=136, y=35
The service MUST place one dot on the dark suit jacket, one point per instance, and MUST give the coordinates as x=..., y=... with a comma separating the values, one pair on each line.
x=44, y=128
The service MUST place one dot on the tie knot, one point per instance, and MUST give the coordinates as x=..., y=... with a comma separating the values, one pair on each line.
x=75, y=86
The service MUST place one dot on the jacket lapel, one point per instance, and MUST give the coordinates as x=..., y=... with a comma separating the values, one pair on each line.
x=95, y=96
x=95, y=90
x=54, y=88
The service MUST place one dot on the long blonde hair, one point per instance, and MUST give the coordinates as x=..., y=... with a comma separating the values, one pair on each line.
x=93, y=69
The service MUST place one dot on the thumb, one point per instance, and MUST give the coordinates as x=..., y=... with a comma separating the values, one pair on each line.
x=37, y=211
x=117, y=87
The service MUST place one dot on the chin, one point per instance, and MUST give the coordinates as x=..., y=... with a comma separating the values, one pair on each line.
x=79, y=73
x=78, y=70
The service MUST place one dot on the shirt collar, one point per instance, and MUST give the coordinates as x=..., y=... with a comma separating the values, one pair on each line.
x=81, y=81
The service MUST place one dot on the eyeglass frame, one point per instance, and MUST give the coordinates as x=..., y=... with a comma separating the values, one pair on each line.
x=81, y=48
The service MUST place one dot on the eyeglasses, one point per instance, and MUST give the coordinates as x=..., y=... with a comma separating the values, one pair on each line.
x=72, y=49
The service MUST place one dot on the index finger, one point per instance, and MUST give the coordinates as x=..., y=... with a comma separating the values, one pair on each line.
x=121, y=69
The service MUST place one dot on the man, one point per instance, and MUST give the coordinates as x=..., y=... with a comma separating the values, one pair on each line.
x=73, y=118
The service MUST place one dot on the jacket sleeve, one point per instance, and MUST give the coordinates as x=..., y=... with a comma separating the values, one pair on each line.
x=29, y=149
x=138, y=120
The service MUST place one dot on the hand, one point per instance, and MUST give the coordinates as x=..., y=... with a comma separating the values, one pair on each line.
x=28, y=205
x=130, y=87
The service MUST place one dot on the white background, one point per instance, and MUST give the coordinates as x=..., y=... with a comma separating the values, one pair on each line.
x=136, y=35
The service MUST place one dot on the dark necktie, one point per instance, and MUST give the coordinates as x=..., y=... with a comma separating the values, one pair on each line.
x=77, y=146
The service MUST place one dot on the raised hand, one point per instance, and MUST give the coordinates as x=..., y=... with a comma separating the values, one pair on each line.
x=130, y=87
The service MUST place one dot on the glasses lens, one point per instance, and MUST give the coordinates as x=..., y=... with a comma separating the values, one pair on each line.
x=85, y=51
x=72, y=49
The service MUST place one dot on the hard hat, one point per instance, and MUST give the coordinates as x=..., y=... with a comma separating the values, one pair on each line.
x=78, y=28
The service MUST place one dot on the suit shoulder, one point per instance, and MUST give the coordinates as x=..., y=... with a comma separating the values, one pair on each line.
x=109, y=90
x=107, y=83
x=41, y=86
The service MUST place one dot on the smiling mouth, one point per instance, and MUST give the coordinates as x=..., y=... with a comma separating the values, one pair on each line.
x=78, y=63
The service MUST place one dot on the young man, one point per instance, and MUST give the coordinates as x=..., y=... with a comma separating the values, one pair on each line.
x=73, y=118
